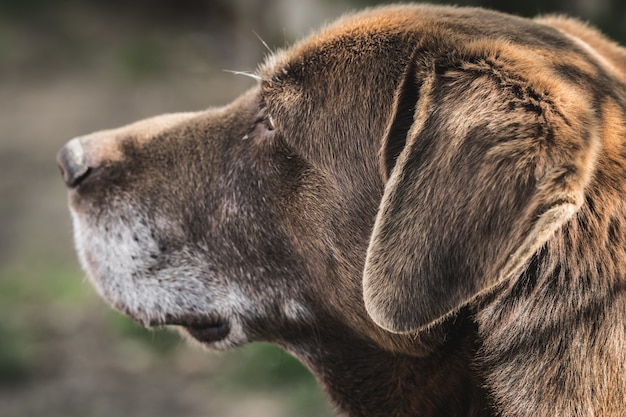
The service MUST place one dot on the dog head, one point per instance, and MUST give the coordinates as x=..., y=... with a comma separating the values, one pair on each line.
x=249, y=221
x=243, y=222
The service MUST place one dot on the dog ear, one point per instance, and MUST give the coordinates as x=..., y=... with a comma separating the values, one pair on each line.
x=481, y=169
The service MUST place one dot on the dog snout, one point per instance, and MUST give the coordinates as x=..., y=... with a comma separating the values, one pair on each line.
x=73, y=162
x=79, y=158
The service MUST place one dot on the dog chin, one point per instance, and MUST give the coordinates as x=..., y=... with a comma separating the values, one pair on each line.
x=214, y=332
x=116, y=259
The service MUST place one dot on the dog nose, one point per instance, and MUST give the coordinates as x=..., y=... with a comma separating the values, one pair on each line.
x=73, y=163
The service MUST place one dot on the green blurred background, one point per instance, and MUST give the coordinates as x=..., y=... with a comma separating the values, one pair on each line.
x=69, y=67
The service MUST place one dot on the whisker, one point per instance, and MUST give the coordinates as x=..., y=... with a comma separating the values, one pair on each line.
x=263, y=42
x=244, y=73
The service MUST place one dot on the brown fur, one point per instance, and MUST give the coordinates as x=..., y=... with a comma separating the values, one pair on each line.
x=473, y=164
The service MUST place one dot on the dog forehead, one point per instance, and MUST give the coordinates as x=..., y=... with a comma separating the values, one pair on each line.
x=349, y=34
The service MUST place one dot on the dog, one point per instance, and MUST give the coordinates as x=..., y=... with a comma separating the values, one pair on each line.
x=424, y=204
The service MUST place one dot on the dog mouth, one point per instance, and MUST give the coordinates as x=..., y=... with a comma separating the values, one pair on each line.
x=209, y=334
x=205, y=330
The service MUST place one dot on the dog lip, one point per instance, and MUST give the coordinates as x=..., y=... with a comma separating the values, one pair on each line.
x=206, y=330
x=209, y=334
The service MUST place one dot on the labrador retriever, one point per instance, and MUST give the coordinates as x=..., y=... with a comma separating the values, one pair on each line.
x=425, y=205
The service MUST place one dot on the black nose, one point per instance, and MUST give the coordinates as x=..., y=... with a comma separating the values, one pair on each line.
x=73, y=163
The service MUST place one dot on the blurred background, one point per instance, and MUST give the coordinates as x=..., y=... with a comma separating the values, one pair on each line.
x=69, y=67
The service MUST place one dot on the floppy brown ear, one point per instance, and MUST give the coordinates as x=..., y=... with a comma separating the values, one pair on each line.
x=487, y=169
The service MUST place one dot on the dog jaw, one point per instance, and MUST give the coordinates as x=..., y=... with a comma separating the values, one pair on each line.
x=138, y=274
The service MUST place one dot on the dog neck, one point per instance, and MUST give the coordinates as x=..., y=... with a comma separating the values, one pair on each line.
x=363, y=379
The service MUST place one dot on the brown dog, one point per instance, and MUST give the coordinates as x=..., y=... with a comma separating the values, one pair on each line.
x=473, y=164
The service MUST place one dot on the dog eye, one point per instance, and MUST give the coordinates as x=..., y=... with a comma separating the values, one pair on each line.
x=269, y=122
x=262, y=123
x=266, y=120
